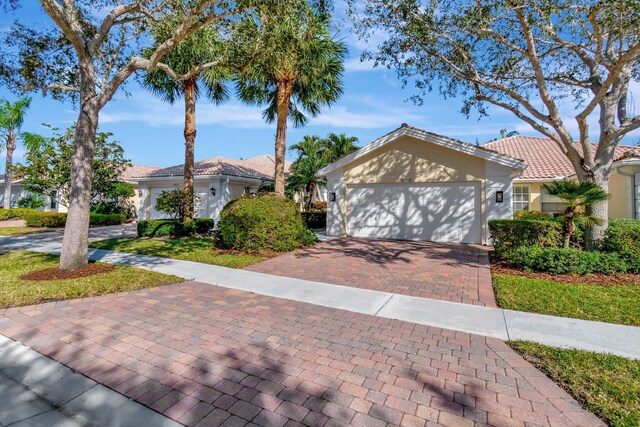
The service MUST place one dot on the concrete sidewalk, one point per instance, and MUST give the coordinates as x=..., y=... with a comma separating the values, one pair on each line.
x=487, y=321
x=38, y=391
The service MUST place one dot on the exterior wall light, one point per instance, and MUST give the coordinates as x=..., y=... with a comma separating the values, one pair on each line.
x=499, y=196
x=212, y=190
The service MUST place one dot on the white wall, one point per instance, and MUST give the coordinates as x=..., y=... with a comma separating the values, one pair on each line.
x=498, y=178
x=335, y=220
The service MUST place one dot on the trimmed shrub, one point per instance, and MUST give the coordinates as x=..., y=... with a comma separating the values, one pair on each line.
x=45, y=219
x=623, y=239
x=14, y=213
x=509, y=234
x=531, y=215
x=315, y=220
x=174, y=228
x=264, y=222
x=57, y=219
x=107, y=219
x=564, y=261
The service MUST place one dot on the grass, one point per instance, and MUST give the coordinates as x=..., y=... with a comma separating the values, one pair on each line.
x=14, y=231
x=17, y=292
x=606, y=385
x=198, y=249
x=612, y=303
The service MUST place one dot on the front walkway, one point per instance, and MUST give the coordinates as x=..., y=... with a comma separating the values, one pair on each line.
x=205, y=355
x=448, y=272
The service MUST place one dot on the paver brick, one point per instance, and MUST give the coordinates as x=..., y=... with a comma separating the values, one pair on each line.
x=217, y=357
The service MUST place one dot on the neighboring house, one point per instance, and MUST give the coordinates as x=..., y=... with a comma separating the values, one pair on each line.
x=546, y=162
x=53, y=204
x=18, y=192
x=415, y=185
x=218, y=180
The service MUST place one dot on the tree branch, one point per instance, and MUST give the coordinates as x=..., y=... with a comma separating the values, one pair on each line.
x=109, y=21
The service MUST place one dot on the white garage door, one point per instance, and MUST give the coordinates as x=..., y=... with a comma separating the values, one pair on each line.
x=200, y=208
x=431, y=212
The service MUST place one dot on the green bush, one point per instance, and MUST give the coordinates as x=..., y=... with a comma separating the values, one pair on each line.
x=531, y=215
x=14, y=213
x=564, y=260
x=57, y=219
x=509, y=234
x=107, y=219
x=174, y=228
x=623, y=238
x=315, y=220
x=45, y=219
x=264, y=222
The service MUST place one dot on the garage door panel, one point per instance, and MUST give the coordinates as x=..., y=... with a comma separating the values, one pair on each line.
x=441, y=213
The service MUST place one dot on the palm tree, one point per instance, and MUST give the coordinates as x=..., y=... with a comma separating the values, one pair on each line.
x=312, y=156
x=339, y=146
x=298, y=71
x=201, y=47
x=11, y=120
x=576, y=196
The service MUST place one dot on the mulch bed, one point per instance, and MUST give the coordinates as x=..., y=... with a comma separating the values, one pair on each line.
x=498, y=267
x=56, y=274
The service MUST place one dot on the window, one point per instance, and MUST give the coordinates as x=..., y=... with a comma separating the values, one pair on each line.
x=520, y=198
x=53, y=204
x=551, y=204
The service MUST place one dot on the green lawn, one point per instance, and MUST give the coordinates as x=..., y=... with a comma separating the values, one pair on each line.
x=607, y=385
x=613, y=304
x=16, y=292
x=198, y=249
x=14, y=231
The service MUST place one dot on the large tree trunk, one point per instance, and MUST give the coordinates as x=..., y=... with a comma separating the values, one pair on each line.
x=76, y=230
x=189, y=87
x=8, y=169
x=285, y=89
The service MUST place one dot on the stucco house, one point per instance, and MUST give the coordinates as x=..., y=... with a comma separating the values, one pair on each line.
x=415, y=185
x=218, y=180
x=53, y=202
x=546, y=162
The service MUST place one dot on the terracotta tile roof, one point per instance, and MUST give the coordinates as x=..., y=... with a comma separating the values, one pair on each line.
x=543, y=157
x=137, y=170
x=258, y=167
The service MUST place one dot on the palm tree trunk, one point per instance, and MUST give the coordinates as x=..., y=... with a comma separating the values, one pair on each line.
x=189, y=87
x=285, y=88
x=568, y=228
x=8, y=169
x=312, y=190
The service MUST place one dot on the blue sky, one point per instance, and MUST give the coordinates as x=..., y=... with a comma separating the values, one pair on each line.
x=373, y=104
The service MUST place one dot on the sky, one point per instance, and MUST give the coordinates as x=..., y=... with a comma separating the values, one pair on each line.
x=373, y=104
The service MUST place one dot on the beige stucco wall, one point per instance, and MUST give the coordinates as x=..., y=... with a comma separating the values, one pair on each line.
x=618, y=188
x=411, y=160
x=619, y=196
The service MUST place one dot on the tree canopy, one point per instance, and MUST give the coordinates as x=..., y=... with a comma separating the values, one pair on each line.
x=47, y=166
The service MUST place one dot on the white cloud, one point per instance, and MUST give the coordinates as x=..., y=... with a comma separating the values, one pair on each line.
x=355, y=65
x=344, y=117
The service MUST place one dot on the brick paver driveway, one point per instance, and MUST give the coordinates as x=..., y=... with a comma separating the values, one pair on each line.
x=205, y=355
x=449, y=272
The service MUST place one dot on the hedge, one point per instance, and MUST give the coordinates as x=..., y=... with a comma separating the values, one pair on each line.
x=509, y=234
x=57, y=219
x=565, y=261
x=170, y=227
x=266, y=222
x=315, y=220
x=623, y=238
x=14, y=213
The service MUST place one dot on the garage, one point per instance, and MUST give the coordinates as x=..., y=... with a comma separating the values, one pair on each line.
x=431, y=212
x=412, y=184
